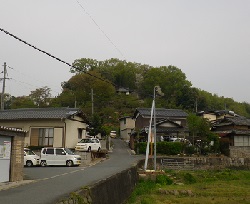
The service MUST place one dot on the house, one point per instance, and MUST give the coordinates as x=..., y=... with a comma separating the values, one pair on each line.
x=213, y=116
x=122, y=90
x=234, y=131
x=57, y=127
x=169, y=122
x=11, y=154
x=127, y=124
x=164, y=129
x=142, y=116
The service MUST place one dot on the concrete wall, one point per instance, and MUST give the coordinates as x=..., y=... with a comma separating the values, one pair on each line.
x=72, y=131
x=115, y=189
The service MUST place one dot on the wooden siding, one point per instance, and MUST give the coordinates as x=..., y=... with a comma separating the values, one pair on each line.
x=34, y=135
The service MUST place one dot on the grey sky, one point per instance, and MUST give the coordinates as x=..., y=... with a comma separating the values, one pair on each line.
x=207, y=39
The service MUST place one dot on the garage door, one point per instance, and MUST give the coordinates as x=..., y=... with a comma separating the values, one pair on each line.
x=5, y=152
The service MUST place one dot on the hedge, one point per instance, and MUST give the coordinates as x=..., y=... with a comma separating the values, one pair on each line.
x=166, y=148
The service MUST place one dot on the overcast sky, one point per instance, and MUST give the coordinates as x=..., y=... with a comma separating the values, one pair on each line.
x=209, y=40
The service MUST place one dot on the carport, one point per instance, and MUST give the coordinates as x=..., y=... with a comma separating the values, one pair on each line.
x=11, y=154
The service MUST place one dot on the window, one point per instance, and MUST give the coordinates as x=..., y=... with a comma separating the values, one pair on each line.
x=241, y=141
x=50, y=151
x=60, y=152
x=46, y=136
x=79, y=133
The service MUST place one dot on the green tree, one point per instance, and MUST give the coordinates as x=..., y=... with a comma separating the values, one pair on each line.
x=41, y=96
x=84, y=65
x=171, y=80
x=22, y=102
x=193, y=125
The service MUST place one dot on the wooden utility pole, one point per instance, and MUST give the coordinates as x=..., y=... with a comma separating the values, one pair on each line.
x=3, y=90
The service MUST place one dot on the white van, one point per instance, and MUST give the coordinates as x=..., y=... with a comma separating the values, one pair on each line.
x=30, y=158
x=59, y=156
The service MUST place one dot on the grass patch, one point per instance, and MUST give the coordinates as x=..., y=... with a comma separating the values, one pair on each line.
x=206, y=187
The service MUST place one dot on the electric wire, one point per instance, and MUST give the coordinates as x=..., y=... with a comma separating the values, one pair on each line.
x=85, y=11
x=53, y=90
x=54, y=57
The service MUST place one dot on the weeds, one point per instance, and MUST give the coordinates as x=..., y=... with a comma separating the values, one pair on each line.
x=219, y=186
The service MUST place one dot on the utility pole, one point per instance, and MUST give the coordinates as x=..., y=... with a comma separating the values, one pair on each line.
x=3, y=90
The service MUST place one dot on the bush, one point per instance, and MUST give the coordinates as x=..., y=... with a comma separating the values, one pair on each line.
x=224, y=148
x=189, y=178
x=163, y=179
x=166, y=148
x=140, y=147
x=169, y=148
x=190, y=150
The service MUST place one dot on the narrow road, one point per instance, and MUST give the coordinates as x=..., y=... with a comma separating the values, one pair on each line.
x=51, y=189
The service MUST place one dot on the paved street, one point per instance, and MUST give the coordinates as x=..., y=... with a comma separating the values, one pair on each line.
x=57, y=182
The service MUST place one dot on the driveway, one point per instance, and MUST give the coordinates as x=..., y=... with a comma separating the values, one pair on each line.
x=53, y=183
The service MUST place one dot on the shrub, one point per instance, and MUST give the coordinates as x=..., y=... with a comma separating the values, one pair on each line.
x=190, y=150
x=167, y=148
x=189, y=178
x=163, y=179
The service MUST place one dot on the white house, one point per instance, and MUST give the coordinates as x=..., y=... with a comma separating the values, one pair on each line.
x=127, y=124
x=57, y=127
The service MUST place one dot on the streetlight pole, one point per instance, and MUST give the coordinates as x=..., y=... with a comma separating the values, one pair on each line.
x=154, y=129
x=157, y=90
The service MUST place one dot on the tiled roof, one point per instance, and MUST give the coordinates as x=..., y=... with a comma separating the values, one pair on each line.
x=161, y=112
x=233, y=121
x=39, y=113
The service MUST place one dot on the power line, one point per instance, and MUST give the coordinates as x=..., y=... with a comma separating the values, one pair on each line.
x=85, y=11
x=56, y=58
x=54, y=89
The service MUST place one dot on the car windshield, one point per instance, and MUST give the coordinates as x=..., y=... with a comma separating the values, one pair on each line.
x=68, y=151
x=85, y=141
x=29, y=152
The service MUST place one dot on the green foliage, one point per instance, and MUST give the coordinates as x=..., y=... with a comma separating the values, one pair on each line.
x=169, y=148
x=163, y=179
x=189, y=178
x=141, y=147
x=144, y=187
x=189, y=150
x=140, y=79
x=224, y=148
x=210, y=186
x=41, y=96
x=22, y=102
x=166, y=148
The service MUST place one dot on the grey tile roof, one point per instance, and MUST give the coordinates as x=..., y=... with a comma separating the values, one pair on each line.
x=161, y=112
x=39, y=113
x=241, y=121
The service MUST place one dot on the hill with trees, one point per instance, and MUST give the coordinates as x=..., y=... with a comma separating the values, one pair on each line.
x=94, y=89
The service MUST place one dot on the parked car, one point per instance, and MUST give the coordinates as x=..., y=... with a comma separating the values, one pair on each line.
x=59, y=156
x=88, y=144
x=30, y=158
x=113, y=134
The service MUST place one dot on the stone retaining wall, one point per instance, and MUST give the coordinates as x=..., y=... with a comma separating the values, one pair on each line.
x=239, y=152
